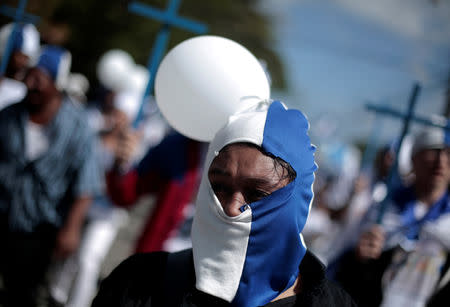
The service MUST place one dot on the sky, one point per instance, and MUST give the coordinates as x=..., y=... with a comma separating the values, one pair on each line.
x=341, y=54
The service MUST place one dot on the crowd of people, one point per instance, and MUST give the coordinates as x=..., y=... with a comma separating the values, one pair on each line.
x=269, y=227
x=70, y=166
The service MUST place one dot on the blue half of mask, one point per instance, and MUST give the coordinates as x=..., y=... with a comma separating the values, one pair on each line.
x=275, y=247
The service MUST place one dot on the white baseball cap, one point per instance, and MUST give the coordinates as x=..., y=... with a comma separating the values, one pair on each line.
x=431, y=138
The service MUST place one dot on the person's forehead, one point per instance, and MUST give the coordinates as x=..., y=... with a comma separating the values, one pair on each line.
x=424, y=153
x=434, y=148
x=19, y=53
x=38, y=73
x=242, y=159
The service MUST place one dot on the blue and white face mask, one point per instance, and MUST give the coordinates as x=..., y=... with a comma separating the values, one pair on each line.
x=249, y=259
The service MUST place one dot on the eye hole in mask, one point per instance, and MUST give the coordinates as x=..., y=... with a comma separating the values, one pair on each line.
x=244, y=207
x=242, y=173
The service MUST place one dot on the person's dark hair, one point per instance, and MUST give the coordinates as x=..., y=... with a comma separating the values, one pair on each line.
x=287, y=172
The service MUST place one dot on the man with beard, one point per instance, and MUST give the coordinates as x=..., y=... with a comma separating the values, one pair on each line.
x=48, y=175
x=247, y=247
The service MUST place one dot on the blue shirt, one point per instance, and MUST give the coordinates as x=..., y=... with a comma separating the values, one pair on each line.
x=42, y=191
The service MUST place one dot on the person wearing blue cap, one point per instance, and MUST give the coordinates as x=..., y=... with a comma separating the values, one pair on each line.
x=405, y=261
x=48, y=175
x=247, y=247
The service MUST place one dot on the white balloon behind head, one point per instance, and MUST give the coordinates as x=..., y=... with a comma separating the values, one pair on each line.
x=204, y=80
x=114, y=68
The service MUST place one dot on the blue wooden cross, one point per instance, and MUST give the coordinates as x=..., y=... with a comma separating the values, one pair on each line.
x=407, y=118
x=439, y=122
x=18, y=15
x=169, y=19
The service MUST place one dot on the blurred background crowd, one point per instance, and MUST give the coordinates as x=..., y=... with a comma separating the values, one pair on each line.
x=90, y=171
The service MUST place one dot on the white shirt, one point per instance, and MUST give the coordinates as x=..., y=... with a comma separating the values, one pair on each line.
x=36, y=141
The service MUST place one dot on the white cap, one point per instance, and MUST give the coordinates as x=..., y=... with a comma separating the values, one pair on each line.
x=430, y=138
x=28, y=42
x=77, y=85
x=128, y=102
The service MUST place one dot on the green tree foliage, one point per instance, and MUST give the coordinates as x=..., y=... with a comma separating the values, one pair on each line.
x=99, y=25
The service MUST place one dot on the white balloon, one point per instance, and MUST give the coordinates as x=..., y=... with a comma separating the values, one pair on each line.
x=114, y=68
x=138, y=79
x=128, y=102
x=204, y=80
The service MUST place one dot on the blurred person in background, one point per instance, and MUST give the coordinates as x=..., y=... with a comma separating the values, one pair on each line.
x=333, y=231
x=48, y=177
x=73, y=281
x=367, y=191
x=336, y=178
x=170, y=171
x=405, y=261
x=24, y=52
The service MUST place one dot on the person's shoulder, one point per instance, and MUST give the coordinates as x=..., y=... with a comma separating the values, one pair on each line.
x=157, y=277
x=334, y=295
x=10, y=115
x=317, y=290
x=134, y=280
x=403, y=195
x=76, y=112
x=75, y=117
x=139, y=265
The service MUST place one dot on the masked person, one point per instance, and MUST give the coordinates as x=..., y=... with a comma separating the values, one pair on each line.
x=252, y=205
